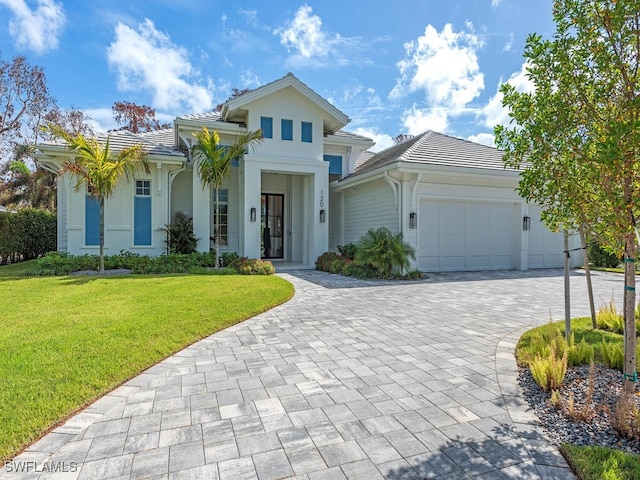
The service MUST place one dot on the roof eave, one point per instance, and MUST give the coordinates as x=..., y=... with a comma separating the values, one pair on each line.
x=337, y=140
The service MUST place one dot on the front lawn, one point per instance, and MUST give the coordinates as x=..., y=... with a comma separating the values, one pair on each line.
x=66, y=341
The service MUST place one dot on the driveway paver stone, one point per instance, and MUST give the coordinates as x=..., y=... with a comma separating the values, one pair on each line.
x=350, y=379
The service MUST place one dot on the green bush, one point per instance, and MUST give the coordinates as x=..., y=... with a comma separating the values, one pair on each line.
x=180, y=237
x=384, y=251
x=56, y=263
x=26, y=234
x=549, y=371
x=601, y=258
x=581, y=354
x=348, y=250
x=612, y=355
x=332, y=262
x=364, y=272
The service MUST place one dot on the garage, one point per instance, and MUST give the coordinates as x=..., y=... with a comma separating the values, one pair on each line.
x=546, y=248
x=466, y=235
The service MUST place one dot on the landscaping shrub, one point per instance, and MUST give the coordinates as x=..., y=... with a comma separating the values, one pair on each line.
x=180, y=237
x=384, y=251
x=626, y=418
x=612, y=354
x=332, y=262
x=26, y=234
x=549, y=371
x=363, y=272
x=581, y=354
x=601, y=258
x=348, y=250
x=56, y=263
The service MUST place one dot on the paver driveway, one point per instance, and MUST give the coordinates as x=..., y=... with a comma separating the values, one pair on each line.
x=349, y=379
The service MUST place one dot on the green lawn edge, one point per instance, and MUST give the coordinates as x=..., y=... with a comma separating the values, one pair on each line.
x=62, y=346
x=601, y=463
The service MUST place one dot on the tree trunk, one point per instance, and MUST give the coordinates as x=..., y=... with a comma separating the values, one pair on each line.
x=567, y=289
x=587, y=271
x=630, y=375
x=101, y=234
x=216, y=227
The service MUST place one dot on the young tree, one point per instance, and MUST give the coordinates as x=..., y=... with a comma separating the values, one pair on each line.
x=99, y=168
x=136, y=118
x=577, y=135
x=213, y=161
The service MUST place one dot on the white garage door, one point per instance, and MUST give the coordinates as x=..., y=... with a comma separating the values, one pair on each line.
x=466, y=236
x=546, y=248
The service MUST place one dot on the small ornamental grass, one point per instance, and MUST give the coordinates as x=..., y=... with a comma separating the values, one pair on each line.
x=549, y=371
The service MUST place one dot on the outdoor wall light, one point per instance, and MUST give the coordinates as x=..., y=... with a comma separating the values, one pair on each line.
x=526, y=223
x=323, y=216
x=413, y=220
x=253, y=214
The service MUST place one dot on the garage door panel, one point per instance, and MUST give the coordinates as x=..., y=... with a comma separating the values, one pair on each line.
x=466, y=236
x=545, y=247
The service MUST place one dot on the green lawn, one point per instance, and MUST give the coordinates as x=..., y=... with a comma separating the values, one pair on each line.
x=65, y=341
x=598, y=463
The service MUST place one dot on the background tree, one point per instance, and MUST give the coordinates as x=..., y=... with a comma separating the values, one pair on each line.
x=577, y=135
x=402, y=137
x=235, y=92
x=213, y=161
x=100, y=169
x=136, y=118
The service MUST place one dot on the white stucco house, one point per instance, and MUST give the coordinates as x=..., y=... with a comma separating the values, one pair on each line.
x=310, y=186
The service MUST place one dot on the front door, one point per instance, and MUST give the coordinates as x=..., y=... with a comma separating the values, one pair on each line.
x=272, y=225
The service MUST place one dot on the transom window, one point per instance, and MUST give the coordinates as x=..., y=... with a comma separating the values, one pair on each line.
x=143, y=187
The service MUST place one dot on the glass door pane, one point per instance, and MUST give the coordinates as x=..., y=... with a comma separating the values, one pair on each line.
x=272, y=225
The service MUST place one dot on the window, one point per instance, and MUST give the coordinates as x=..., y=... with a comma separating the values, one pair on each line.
x=222, y=206
x=287, y=129
x=306, y=135
x=335, y=163
x=266, y=125
x=142, y=213
x=91, y=219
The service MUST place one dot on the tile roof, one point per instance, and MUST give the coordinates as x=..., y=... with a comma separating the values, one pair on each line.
x=355, y=136
x=432, y=148
x=211, y=116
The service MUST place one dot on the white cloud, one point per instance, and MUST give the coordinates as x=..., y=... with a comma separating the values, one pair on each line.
x=35, y=29
x=147, y=59
x=495, y=3
x=314, y=47
x=418, y=120
x=509, y=43
x=101, y=119
x=382, y=140
x=493, y=112
x=484, y=139
x=443, y=65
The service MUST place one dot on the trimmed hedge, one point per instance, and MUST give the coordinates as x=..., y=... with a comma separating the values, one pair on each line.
x=26, y=234
x=56, y=263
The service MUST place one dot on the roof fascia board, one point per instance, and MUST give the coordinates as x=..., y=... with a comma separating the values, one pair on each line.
x=55, y=153
x=214, y=124
x=348, y=141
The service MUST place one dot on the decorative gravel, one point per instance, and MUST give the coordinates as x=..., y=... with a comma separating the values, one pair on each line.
x=562, y=429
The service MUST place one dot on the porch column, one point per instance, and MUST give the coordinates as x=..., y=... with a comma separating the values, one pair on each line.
x=522, y=262
x=252, y=183
x=319, y=231
x=201, y=213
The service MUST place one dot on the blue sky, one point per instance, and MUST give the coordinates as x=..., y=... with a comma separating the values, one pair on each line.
x=393, y=67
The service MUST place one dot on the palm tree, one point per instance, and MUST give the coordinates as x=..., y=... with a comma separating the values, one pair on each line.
x=214, y=162
x=98, y=168
x=384, y=251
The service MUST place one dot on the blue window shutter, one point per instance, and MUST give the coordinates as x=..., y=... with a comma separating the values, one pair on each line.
x=287, y=129
x=91, y=220
x=266, y=125
x=142, y=221
x=307, y=129
x=335, y=163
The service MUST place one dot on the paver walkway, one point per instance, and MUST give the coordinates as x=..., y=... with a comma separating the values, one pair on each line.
x=349, y=379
